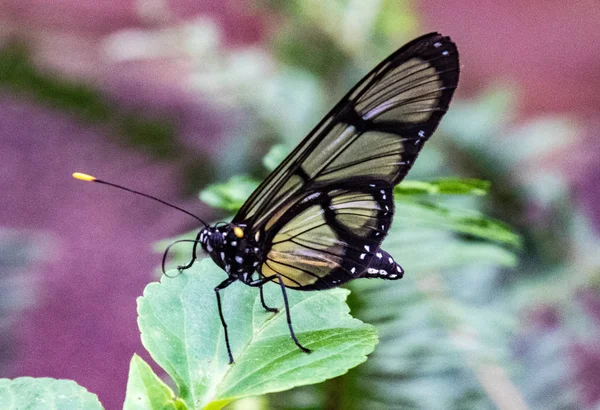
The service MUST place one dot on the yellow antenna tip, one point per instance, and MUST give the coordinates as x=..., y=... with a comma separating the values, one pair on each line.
x=83, y=177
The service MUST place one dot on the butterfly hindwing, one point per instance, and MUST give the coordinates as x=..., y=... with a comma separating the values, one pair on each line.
x=329, y=238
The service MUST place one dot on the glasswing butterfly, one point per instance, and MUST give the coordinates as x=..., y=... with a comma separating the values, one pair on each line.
x=319, y=218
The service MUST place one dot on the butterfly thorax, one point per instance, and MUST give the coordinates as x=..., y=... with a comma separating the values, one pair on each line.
x=231, y=249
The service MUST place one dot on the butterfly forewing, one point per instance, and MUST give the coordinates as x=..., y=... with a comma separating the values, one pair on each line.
x=328, y=206
x=408, y=92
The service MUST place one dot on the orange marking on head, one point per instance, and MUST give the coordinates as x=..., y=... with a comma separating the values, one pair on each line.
x=239, y=232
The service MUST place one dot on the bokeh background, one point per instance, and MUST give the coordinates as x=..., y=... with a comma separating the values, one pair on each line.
x=167, y=96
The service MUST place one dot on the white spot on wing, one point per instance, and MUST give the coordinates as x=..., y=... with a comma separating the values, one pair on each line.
x=379, y=255
x=239, y=259
x=310, y=197
x=362, y=255
x=367, y=248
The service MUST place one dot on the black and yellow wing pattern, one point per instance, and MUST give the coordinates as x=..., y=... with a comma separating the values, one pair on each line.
x=322, y=214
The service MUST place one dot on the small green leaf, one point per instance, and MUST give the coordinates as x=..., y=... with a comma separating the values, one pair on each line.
x=275, y=156
x=145, y=390
x=45, y=394
x=181, y=329
x=445, y=186
x=229, y=195
x=429, y=214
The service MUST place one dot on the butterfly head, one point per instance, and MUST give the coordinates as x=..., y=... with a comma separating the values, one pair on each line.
x=231, y=249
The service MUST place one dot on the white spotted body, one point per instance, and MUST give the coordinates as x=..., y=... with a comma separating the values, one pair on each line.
x=383, y=266
x=237, y=256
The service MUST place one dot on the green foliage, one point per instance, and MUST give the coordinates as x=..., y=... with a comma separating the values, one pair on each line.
x=323, y=57
x=468, y=222
x=275, y=156
x=145, y=390
x=19, y=74
x=231, y=195
x=445, y=186
x=27, y=393
x=181, y=329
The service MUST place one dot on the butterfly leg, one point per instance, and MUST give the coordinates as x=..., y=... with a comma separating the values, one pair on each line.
x=194, y=249
x=222, y=286
x=262, y=300
x=260, y=282
x=289, y=318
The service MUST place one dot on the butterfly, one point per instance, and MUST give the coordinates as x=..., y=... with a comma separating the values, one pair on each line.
x=318, y=220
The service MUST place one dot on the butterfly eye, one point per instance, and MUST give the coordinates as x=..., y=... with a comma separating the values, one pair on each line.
x=237, y=231
x=217, y=240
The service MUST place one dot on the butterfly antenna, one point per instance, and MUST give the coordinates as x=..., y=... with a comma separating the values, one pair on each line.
x=166, y=253
x=89, y=178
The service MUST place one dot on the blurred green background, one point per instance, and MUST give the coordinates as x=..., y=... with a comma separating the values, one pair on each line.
x=169, y=96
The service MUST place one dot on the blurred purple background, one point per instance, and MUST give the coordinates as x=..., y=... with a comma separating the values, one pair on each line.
x=97, y=243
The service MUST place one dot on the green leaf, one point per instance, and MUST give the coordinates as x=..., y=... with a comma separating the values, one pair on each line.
x=229, y=195
x=145, y=390
x=468, y=222
x=450, y=252
x=445, y=186
x=45, y=394
x=275, y=156
x=180, y=327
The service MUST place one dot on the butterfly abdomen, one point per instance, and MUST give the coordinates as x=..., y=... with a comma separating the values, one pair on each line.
x=383, y=266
